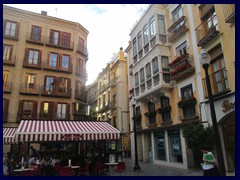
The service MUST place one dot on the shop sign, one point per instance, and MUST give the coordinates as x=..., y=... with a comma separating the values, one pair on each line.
x=228, y=106
x=72, y=137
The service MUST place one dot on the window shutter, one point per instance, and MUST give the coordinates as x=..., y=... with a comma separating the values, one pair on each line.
x=26, y=56
x=40, y=34
x=39, y=58
x=5, y=110
x=51, y=37
x=17, y=29
x=67, y=111
x=4, y=25
x=34, y=113
x=20, y=110
x=31, y=35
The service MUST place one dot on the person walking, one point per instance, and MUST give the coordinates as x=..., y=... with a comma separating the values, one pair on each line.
x=209, y=164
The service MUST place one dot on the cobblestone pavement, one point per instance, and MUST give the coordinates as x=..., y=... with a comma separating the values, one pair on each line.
x=149, y=169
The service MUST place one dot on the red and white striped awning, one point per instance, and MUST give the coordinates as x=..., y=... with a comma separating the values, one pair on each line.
x=46, y=130
x=9, y=135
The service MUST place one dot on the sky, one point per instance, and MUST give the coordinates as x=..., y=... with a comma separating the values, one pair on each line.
x=109, y=26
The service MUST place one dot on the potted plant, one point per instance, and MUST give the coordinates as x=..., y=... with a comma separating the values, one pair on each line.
x=164, y=109
x=150, y=113
x=187, y=102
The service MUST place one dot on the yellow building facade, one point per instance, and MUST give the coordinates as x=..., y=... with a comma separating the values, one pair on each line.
x=167, y=79
x=44, y=67
x=111, y=102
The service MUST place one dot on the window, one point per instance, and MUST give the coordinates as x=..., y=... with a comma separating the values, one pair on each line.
x=148, y=70
x=187, y=93
x=47, y=110
x=139, y=41
x=155, y=66
x=164, y=63
x=28, y=109
x=160, y=146
x=49, y=84
x=65, y=39
x=53, y=57
x=7, y=52
x=5, y=78
x=65, y=61
x=79, y=89
x=166, y=115
x=220, y=75
x=36, y=33
x=54, y=37
x=177, y=13
x=152, y=27
x=33, y=57
x=80, y=67
x=31, y=81
x=142, y=76
x=136, y=79
x=182, y=49
x=63, y=85
x=175, y=149
x=151, y=108
x=61, y=110
x=134, y=47
x=161, y=25
x=10, y=28
x=145, y=34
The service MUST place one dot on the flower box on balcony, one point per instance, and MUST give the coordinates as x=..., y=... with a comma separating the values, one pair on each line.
x=150, y=114
x=177, y=60
x=187, y=102
x=164, y=109
x=180, y=69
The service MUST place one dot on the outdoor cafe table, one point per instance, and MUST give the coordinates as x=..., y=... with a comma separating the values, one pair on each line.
x=17, y=171
x=111, y=164
x=74, y=169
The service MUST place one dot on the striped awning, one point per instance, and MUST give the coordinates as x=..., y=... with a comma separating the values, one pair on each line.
x=57, y=130
x=9, y=135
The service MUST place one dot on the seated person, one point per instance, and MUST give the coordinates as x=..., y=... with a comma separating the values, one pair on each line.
x=32, y=161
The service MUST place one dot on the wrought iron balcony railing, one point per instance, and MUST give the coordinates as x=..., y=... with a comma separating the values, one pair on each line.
x=229, y=12
x=177, y=28
x=60, y=43
x=35, y=39
x=10, y=61
x=207, y=31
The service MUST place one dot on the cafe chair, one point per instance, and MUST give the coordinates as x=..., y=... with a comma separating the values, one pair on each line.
x=121, y=168
x=36, y=170
x=100, y=168
x=65, y=171
x=56, y=168
x=26, y=173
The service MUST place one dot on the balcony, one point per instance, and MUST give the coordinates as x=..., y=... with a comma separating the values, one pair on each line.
x=81, y=72
x=219, y=83
x=229, y=12
x=11, y=37
x=181, y=67
x=81, y=96
x=151, y=116
x=29, y=89
x=7, y=87
x=138, y=121
x=177, y=29
x=207, y=31
x=60, y=43
x=68, y=70
x=35, y=39
x=104, y=107
x=57, y=92
x=9, y=61
x=187, y=109
x=33, y=66
x=82, y=50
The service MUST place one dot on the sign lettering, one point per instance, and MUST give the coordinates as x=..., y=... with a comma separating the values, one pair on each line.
x=72, y=137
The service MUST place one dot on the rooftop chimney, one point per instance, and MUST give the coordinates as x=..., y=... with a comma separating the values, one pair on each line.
x=44, y=13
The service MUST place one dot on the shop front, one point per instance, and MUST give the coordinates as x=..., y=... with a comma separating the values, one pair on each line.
x=70, y=139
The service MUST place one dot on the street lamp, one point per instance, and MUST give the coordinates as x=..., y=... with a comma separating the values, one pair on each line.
x=136, y=167
x=205, y=58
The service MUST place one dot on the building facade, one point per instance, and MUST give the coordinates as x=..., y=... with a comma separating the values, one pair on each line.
x=215, y=32
x=166, y=79
x=111, y=101
x=44, y=67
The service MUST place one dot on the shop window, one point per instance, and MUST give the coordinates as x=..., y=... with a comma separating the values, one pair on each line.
x=160, y=145
x=175, y=146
